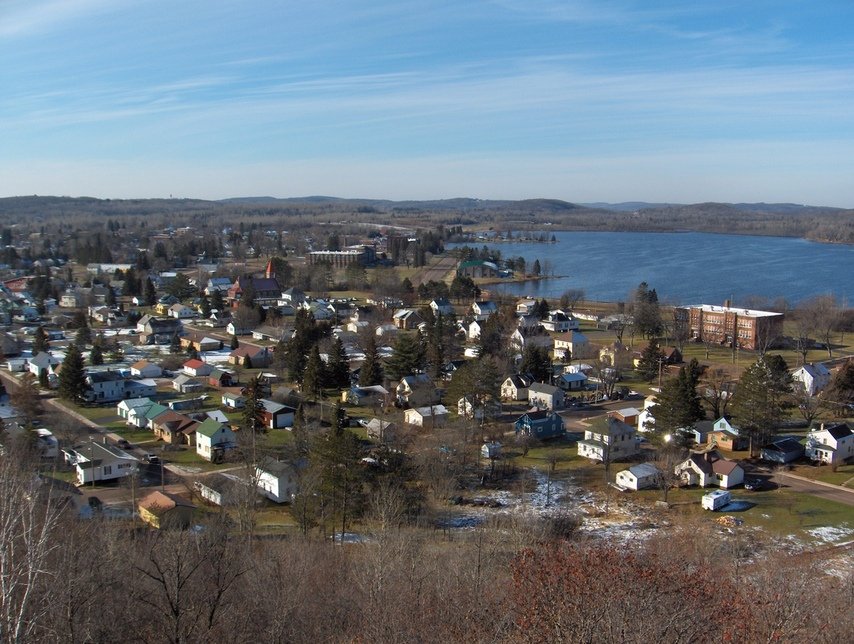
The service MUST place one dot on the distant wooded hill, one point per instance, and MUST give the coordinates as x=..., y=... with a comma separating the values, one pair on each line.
x=787, y=220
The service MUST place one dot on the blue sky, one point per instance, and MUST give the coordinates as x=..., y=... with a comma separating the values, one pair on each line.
x=583, y=100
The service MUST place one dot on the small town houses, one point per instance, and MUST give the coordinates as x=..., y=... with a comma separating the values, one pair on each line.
x=830, y=443
x=708, y=468
x=540, y=424
x=607, y=440
x=99, y=461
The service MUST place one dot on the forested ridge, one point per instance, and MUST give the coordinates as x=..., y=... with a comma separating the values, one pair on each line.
x=785, y=220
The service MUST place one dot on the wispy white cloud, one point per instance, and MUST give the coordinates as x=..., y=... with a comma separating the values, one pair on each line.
x=24, y=17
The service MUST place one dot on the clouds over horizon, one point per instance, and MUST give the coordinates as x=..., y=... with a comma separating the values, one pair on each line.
x=396, y=92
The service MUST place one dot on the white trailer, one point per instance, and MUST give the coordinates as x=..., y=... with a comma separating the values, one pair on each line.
x=716, y=500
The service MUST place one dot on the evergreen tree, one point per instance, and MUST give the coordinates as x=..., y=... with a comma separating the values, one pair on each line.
x=759, y=400
x=647, y=315
x=116, y=354
x=536, y=361
x=338, y=371
x=72, y=376
x=536, y=270
x=40, y=341
x=150, y=293
x=180, y=287
x=96, y=355
x=650, y=361
x=408, y=358
x=110, y=300
x=434, y=338
x=336, y=456
x=205, y=306
x=44, y=383
x=217, y=301
x=235, y=342
x=490, y=342
x=131, y=283
x=371, y=372
x=83, y=335
x=677, y=406
x=175, y=344
x=478, y=380
x=313, y=377
x=253, y=411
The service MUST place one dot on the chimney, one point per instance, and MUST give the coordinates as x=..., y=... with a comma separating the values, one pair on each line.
x=727, y=304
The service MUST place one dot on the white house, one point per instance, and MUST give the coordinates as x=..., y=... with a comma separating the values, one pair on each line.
x=572, y=381
x=277, y=480
x=233, y=400
x=124, y=408
x=832, y=444
x=140, y=388
x=434, y=416
x=442, y=306
x=100, y=462
x=646, y=421
x=483, y=309
x=813, y=377
x=525, y=306
x=42, y=362
x=638, y=477
x=708, y=469
x=573, y=341
x=545, y=396
x=213, y=437
x=220, y=489
x=105, y=386
x=196, y=368
x=559, y=322
x=608, y=440
x=182, y=312
x=145, y=369
x=515, y=388
x=474, y=329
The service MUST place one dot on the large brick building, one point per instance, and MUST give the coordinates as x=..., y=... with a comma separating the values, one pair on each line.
x=727, y=324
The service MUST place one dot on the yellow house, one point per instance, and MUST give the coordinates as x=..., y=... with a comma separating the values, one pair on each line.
x=165, y=510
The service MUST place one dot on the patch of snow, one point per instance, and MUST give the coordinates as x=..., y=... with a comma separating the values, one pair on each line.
x=349, y=537
x=831, y=534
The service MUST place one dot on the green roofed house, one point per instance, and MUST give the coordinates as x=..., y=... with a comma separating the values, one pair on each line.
x=212, y=439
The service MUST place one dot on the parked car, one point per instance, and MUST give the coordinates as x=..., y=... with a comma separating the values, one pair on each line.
x=754, y=484
x=151, y=458
x=123, y=443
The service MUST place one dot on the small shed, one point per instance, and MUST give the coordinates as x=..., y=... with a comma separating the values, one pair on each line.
x=638, y=477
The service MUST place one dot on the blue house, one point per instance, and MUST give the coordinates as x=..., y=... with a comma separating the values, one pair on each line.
x=540, y=424
x=783, y=450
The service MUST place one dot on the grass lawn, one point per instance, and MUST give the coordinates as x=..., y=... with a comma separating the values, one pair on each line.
x=276, y=438
x=826, y=474
x=99, y=415
x=187, y=457
x=779, y=512
x=786, y=512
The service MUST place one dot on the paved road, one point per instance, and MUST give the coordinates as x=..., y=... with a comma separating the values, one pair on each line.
x=840, y=495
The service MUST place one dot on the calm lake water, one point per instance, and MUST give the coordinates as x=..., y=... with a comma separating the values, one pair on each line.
x=684, y=268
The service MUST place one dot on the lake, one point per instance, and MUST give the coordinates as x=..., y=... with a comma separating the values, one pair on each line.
x=684, y=268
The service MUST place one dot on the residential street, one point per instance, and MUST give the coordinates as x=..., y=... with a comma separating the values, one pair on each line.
x=824, y=491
